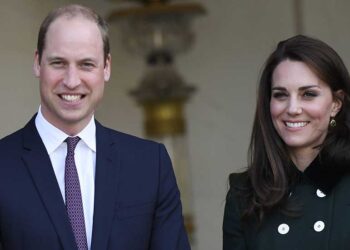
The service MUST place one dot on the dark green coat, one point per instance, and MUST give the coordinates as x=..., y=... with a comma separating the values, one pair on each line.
x=324, y=222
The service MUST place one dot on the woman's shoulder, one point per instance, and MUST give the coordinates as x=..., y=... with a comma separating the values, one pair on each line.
x=239, y=189
x=233, y=229
x=239, y=181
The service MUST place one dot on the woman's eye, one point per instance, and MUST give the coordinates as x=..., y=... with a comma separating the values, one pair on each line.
x=279, y=95
x=310, y=94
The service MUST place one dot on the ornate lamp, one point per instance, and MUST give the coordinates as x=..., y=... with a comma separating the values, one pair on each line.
x=157, y=31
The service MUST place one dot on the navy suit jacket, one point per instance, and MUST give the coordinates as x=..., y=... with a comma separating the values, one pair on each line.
x=137, y=203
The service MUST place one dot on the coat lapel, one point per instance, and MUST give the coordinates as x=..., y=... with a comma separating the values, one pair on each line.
x=39, y=166
x=106, y=179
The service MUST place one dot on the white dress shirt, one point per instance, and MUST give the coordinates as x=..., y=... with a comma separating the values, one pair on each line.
x=85, y=160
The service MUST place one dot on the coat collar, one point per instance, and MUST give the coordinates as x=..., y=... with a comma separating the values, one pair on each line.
x=106, y=182
x=325, y=173
x=38, y=163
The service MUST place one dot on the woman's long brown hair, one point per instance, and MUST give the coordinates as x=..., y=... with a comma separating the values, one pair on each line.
x=270, y=169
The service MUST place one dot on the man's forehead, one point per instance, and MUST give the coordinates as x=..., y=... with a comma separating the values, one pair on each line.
x=73, y=35
x=79, y=18
x=69, y=27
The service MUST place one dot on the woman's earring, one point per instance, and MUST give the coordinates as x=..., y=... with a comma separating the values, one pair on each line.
x=332, y=123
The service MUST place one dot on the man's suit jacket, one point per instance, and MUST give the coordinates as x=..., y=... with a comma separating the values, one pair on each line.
x=137, y=203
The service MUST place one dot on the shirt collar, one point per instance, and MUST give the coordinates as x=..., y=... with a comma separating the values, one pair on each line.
x=53, y=137
x=88, y=134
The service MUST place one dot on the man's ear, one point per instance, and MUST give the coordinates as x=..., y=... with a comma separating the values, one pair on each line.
x=36, y=64
x=338, y=98
x=107, y=69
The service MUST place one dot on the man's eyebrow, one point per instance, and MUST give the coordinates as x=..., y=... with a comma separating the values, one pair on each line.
x=88, y=59
x=53, y=58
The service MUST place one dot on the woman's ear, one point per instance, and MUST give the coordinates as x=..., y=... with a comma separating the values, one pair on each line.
x=338, y=98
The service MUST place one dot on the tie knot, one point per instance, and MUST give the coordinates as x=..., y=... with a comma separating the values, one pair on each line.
x=72, y=143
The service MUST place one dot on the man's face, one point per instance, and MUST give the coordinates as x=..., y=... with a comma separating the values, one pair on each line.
x=72, y=73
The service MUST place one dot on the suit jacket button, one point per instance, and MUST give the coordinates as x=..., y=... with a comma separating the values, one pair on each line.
x=319, y=226
x=283, y=228
x=320, y=194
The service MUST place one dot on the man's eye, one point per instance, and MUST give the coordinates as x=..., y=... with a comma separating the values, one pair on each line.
x=88, y=65
x=57, y=63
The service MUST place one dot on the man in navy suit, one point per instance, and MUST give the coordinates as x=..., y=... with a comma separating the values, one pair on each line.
x=128, y=192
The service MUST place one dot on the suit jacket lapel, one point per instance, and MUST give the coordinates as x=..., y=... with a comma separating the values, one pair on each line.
x=105, y=187
x=39, y=165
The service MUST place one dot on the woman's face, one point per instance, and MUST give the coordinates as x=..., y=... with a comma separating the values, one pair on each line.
x=301, y=106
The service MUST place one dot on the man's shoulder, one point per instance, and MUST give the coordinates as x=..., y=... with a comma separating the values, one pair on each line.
x=16, y=138
x=126, y=139
x=11, y=144
x=12, y=138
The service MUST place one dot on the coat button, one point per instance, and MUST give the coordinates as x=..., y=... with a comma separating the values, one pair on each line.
x=319, y=226
x=320, y=194
x=283, y=228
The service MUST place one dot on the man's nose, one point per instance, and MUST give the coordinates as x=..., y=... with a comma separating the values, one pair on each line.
x=72, y=78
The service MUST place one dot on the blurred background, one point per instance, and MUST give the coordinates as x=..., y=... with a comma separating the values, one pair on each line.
x=232, y=39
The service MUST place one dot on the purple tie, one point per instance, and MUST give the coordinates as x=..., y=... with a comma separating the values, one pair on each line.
x=74, y=203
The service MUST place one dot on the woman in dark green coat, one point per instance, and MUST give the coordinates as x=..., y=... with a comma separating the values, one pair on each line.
x=295, y=193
